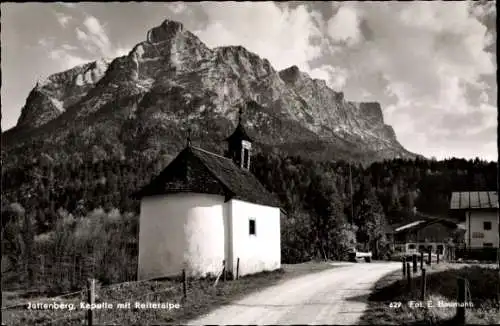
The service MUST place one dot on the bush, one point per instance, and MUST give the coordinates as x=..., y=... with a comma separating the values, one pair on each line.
x=481, y=254
x=100, y=245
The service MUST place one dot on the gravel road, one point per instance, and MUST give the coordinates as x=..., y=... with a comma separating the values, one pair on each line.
x=335, y=296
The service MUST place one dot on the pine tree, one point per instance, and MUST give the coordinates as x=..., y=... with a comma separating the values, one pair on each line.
x=369, y=218
x=323, y=201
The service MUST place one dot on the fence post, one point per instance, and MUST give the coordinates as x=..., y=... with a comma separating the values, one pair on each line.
x=408, y=276
x=429, y=258
x=414, y=257
x=90, y=301
x=74, y=283
x=42, y=269
x=460, y=317
x=224, y=270
x=80, y=271
x=238, y=268
x=423, y=285
x=404, y=267
x=421, y=260
x=184, y=284
x=437, y=261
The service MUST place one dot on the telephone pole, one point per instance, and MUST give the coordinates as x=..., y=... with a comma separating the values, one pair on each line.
x=350, y=184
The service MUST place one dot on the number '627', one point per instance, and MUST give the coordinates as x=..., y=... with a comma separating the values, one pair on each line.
x=395, y=304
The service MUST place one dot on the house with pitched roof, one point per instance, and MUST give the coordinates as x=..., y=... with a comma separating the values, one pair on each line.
x=424, y=233
x=203, y=209
x=478, y=212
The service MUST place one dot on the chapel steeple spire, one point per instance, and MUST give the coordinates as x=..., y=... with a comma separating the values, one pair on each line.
x=240, y=144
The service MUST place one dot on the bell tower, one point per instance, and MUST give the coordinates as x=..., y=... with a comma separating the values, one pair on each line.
x=239, y=147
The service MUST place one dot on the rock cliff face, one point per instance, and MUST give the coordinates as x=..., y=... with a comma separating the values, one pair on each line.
x=143, y=102
x=53, y=96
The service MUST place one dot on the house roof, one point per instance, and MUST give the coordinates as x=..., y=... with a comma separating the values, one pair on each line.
x=474, y=200
x=201, y=171
x=416, y=225
x=408, y=225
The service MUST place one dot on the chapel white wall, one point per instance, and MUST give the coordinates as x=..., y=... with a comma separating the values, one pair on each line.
x=182, y=231
x=260, y=252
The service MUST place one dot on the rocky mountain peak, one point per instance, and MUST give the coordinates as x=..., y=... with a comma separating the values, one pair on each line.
x=372, y=111
x=38, y=110
x=165, y=32
x=51, y=96
x=173, y=76
x=290, y=74
x=243, y=61
x=231, y=52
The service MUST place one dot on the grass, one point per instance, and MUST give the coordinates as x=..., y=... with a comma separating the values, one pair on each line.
x=202, y=298
x=441, y=287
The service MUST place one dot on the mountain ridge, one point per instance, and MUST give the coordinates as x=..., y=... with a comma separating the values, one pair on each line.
x=172, y=79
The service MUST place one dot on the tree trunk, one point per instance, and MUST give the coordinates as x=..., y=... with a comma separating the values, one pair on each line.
x=324, y=254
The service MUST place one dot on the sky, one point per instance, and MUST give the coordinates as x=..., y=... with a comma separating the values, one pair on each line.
x=431, y=65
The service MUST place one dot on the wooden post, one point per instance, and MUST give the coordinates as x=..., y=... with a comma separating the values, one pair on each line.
x=414, y=257
x=429, y=258
x=42, y=269
x=460, y=317
x=184, y=284
x=423, y=285
x=437, y=261
x=408, y=276
x=404, y=267
x=90, y=301
x=224, y=270
x=74, y=271
x=421, y=260
x=238, y=268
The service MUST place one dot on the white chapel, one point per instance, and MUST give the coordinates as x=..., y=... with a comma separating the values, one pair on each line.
x=204, y=208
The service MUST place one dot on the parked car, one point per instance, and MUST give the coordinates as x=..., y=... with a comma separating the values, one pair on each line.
x=355, y=255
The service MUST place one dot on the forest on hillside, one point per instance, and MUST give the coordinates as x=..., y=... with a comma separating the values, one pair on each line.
x=84, y=208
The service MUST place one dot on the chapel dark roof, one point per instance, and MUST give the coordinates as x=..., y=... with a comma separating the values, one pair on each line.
x=200, y=171
x=239, y=134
